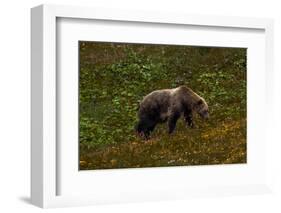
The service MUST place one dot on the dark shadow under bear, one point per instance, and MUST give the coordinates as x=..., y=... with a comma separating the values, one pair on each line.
x=168, y=105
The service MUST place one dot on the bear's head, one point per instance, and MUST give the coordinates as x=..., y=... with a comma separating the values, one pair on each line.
x=201, y=107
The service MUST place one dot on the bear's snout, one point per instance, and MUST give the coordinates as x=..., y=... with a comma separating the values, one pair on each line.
x=205, y=115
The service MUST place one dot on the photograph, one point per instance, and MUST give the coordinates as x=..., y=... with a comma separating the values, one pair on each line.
x=161, y=105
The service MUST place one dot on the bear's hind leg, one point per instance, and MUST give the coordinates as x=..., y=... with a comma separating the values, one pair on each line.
x=145, y=127
x=149, y=130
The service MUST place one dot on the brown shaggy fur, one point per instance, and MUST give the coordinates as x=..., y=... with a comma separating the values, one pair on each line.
x=168, y=105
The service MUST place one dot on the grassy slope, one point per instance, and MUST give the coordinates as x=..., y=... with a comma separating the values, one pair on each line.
x=224, y=144
x=113, y=80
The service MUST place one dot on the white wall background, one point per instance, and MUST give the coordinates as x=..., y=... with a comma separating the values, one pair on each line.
x=15, y=104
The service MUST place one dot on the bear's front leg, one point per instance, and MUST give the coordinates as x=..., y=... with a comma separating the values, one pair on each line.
x=188, y=118
x=172, y=121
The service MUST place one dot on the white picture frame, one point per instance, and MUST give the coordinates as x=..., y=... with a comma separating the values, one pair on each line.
x=45, y=178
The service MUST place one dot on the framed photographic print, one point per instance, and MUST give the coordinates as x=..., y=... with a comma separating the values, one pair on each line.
x=129, y=106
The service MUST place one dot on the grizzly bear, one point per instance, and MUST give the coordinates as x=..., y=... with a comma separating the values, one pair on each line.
x=164, y=105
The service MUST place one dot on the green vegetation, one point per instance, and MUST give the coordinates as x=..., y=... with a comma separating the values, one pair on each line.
x=115, y=77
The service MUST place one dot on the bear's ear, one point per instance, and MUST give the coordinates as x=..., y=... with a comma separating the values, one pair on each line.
x=199, y=102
